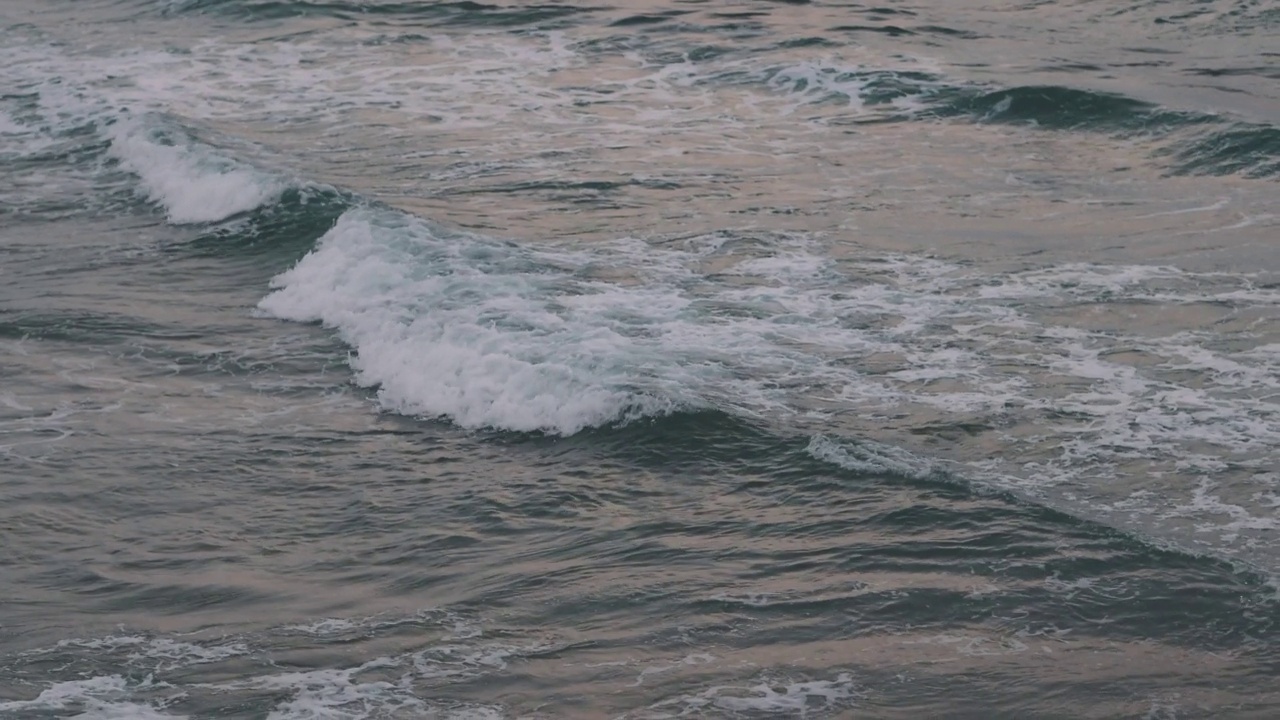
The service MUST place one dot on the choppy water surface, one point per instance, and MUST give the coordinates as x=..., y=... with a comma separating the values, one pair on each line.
x=646, y=360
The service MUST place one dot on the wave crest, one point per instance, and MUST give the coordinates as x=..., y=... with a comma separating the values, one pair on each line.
x=450, y=325
x=191, y=181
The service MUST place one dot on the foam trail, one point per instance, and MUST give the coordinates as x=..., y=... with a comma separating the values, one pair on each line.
x=191, y=181
x=490, y=334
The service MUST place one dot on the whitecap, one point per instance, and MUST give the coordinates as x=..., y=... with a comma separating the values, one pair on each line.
x=191, y=181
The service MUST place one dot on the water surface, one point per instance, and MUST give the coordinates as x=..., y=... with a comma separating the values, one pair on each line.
x=647, y=360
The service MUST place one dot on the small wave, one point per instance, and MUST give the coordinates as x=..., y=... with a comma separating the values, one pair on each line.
x=8, y=126
x=1199, y=143
x=869, y=93
x=1053, y=107
x=1247, y=149
x=192, y=181
x=87, y=146
x=105, y=697
x=162, y=653
x=481, y=332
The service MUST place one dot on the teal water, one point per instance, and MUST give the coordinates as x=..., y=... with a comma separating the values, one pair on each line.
x=773, y=359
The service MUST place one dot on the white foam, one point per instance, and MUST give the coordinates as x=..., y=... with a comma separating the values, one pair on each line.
x=770, y=695
x=193, y=183
x=1076, y=279
x=389, y=686
x=1225, y=519
x=1218, y=205
x=786, y=265
x=98, y=698
x=1163, y=707
x=403, y=684
x=327, y=627
x=459, y=628
x=758, y=600
x=160, y=653
x=871, y=458
x=338, y=693
x=817, y=83
x=690, y=660
x=476, y=331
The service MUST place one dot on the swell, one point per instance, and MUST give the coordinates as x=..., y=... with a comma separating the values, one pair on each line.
x=726, y=440
x=490, y=334
x=92, y=160
x=1194, y=143
x=483, y=332
x=1247, y=149
x=275, y=235
x=791, y=466
x=1056, y=108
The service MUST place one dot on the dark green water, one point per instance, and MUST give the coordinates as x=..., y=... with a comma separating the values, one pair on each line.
x=678, y=359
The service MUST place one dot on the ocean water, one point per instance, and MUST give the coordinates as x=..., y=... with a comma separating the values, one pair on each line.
x=666, y=359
